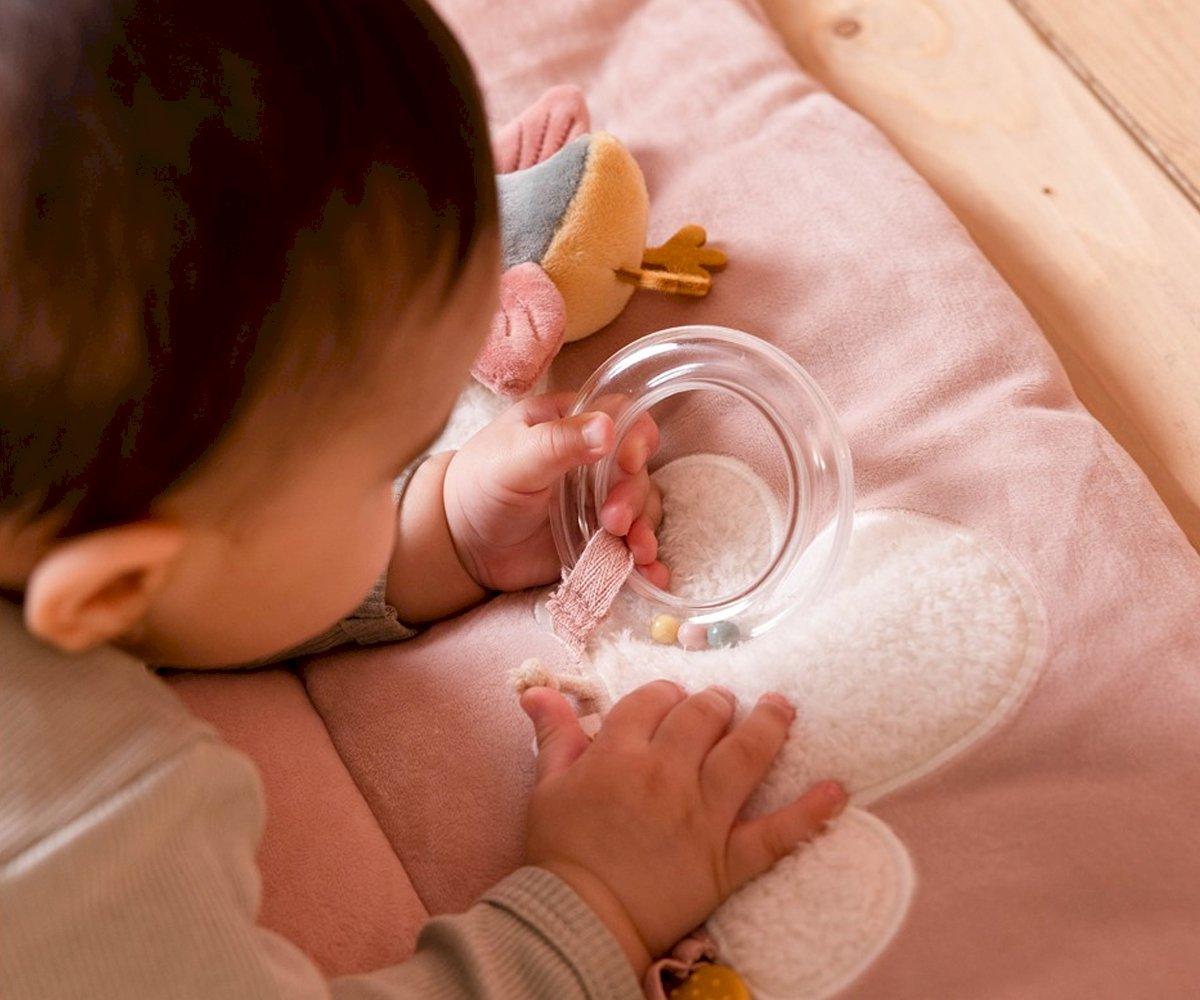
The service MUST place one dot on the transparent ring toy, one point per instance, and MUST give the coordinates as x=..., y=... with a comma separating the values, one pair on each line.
x=784, y=414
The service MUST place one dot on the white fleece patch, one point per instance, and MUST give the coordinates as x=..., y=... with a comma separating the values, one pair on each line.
x=930, y=637
x=713, y=556
x=815, y=921
x=475, y=407
x=923, y=645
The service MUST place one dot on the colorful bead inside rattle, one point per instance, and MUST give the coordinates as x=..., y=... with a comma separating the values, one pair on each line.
x=667, y=630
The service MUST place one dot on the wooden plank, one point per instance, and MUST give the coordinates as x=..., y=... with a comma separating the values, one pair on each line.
x=1140, y=59
x=1099, y=244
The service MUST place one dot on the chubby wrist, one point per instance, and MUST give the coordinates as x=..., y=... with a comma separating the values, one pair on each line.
x=426, y=580
x=607, y=907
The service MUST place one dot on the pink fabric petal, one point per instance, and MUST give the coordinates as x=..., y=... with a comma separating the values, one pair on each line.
x=526, y=333
x=542, y=129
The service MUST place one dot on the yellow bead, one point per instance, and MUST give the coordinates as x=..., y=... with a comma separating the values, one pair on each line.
x=664, y=629
x=712, y=982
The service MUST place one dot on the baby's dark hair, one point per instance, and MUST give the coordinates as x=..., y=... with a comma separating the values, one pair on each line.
x=159, y=160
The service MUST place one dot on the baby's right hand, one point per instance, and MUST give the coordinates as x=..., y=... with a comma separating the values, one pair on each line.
x=643, y=822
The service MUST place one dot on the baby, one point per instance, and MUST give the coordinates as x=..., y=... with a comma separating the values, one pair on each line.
x=247, y=254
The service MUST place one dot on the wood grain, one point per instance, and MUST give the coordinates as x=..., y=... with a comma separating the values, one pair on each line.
x=1096, y=240
x=1140, y=58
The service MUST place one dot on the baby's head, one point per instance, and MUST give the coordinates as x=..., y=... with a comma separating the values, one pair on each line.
x=247, y=253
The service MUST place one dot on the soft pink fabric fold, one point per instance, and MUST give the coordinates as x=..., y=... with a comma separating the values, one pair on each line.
x=432, y=732
x=331, y=881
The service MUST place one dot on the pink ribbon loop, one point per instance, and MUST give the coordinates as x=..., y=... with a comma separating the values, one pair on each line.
x=582, y=600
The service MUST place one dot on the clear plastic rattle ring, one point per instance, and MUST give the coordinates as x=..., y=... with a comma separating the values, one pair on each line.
x=740, y=403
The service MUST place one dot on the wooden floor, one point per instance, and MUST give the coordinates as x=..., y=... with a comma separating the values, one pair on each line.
x=1065, y=134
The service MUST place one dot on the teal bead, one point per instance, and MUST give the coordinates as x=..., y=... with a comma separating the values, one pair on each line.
x=722, y=634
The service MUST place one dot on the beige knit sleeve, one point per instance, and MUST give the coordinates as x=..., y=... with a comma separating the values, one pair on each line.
x=372, y=622
x=153, y=892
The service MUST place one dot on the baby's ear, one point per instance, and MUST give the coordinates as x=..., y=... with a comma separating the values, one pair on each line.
x=90, y=590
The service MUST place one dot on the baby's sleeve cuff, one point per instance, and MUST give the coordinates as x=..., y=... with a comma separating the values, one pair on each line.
x=546, y=903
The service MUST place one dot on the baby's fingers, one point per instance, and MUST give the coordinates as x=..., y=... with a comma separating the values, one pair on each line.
x=652, y=509
x=638, y=445
x=624, y=503
x=642, y=542
x=691, y=728
x=560, y=739
x=635, y=718
x=758, y=843
x=657, y=574
x=545, y=451
x=737, y=765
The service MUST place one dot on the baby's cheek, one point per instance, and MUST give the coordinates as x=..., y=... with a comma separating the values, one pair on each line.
x=329, y=567
x=361, y=552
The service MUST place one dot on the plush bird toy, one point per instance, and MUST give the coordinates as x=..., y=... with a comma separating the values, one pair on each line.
x=573, y=216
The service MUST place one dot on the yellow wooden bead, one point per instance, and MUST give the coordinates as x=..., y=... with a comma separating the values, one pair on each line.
x=712, y=982
x=664, y=629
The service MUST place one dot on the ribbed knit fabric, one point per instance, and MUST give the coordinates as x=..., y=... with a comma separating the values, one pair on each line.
x=582, y=600
x=373, y=621
x=128, y=835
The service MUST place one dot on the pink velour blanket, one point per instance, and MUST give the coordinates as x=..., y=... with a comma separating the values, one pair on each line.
x=1054, y=856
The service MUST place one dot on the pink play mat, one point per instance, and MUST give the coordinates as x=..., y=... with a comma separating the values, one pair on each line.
x=1006, y=675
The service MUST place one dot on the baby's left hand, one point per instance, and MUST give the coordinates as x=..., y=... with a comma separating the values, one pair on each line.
x=498, y=488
